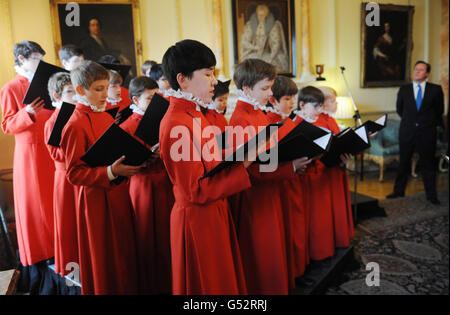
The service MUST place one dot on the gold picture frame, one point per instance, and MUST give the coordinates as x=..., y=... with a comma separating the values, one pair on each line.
x=117, y=19
x=386, y=48
x=279, y=33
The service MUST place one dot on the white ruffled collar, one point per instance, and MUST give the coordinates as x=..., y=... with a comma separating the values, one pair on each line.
x=83, y=101
x=26, y=74
x=114, y=102
x=278, y=112
x=213, y=107
x=57, y=104
x=328, y=113
x=137, y=110
x=163, y=93
x=250, y=100
x=187, y=96
x=301, y=114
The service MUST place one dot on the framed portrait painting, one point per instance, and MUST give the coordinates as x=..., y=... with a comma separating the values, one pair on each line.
x=386, y=48
x=265, y=29
x=102, y=27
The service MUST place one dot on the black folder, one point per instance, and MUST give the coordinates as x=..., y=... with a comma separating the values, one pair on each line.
x=307, y=129
x=113, y=112
x=125, y=114
x=243, y=150
x=305, y=140
x=301, y=146
x=377, y=125
x=148, y=129
x=64, y=115
x=123, y=70
x=348, y=141
x=39, y=85
x=114, y=144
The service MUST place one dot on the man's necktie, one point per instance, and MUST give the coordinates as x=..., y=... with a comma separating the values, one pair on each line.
x=419, y=98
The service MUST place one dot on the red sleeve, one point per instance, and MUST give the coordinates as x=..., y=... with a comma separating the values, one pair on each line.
x=187, y=176
x=74, y=144
x=15, y=118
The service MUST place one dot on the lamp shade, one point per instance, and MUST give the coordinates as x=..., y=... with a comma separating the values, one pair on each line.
x=345, y=108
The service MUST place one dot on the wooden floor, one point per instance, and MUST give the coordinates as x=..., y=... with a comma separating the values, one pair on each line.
x=370, y=186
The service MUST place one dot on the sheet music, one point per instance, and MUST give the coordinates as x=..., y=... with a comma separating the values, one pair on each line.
x=361, y=132
x=323, y=141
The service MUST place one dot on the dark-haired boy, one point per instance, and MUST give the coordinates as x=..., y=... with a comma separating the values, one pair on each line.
x=283, y=100
x=216, y=111
x=152, y=198
x=258, y=212
x=33, y=166
x=70, y=56
x=205, y=250
x=156, y=73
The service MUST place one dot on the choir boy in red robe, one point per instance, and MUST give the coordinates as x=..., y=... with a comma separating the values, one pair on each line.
x=152, y=198
x=258, y=210
x=124, y=94
x=33, y=166
x=283, y=101
x=338, y=184
x=157, y=74
x=216, y=112
x=106, y=238
x=65, y=228
x=205, y=250
x=115, y=92
x=70, y=56
x=317, y=194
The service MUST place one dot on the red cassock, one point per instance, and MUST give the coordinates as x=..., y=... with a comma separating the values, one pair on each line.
x=124, y=103
x=216, y=119
x=152, y=198
x=340, y=193
x=65, y=224
x=32, y=175
x=205, y=250
x=294, y=217
x=259, y=216
x=318, y=210
x=106, y=236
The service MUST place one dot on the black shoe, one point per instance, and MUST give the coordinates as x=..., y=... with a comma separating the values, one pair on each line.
x=395, y=195
x=434, y=201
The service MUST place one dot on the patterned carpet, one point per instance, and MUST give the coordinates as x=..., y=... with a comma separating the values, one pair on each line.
x=410, y=246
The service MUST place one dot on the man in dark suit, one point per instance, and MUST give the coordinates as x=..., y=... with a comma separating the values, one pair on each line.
x=420, y=106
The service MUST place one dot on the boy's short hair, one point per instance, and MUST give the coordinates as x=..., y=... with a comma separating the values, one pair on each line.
x=156, y=72
x=139, y=84
x=251, y=71
x=310, y=94
x=147, y=65
x=328, y=91
x=115, y=77
x=283, y=86
x=68, y=51
x=109, y=59
x=87, y=73
x=26, y=48
x=185, y=57
x=57, y=82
